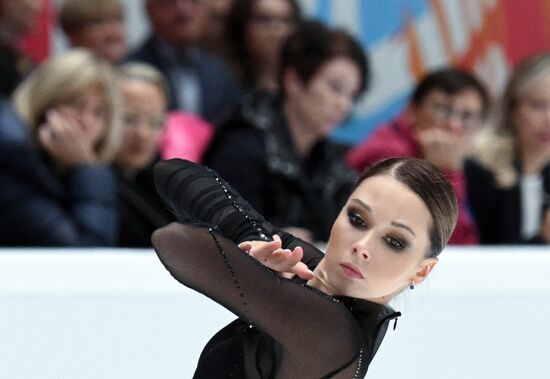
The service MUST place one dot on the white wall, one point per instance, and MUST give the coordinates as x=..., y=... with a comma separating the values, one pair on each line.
x=118, y=314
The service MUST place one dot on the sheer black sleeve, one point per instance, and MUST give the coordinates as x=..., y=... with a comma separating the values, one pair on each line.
x=318, y=335
x=198, y=195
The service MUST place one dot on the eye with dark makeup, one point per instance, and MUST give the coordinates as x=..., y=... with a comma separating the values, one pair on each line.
x=395, y=243
x=355, y=219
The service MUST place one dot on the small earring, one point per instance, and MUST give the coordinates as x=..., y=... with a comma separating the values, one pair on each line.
x=411, y=287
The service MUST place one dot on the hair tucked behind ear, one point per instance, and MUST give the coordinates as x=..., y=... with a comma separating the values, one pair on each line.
x=431, y=186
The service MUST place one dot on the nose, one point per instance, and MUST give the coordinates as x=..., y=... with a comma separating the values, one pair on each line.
x=89, y=119
x=455, y=123
x=361, y=248
x=344, y=105
x=143, y=131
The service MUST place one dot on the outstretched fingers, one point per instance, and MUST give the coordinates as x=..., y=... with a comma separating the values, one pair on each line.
x=271, y=255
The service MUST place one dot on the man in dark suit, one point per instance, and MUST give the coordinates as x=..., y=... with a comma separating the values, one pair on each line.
x=199, y=83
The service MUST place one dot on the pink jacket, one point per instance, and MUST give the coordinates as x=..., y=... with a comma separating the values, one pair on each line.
x=185, y=136
x=396, y=140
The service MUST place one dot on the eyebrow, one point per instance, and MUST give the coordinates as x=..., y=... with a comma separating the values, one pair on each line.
x=393, y=223
x=403, y=226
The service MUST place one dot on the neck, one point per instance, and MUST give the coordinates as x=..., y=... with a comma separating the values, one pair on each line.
x=304, y=136
x=266, y=76
x=321, y=282
x=127, y=173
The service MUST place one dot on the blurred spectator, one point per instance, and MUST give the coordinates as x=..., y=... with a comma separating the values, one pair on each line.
x=446, y=109
x=212, y=21
x=57, y=140
x=256, y=30
x=17, y=18
x=275, y=151
x=198, y=82
x=141, y=211
x=96, y=25
x=509, y=184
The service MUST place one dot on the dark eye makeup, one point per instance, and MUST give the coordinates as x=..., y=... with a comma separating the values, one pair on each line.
x=395, y=243
x=357, y=221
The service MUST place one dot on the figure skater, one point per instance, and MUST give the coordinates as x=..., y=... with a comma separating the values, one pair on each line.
x=302, y=313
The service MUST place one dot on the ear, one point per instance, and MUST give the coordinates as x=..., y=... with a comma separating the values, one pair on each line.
x=424, y=270
x=291, y=81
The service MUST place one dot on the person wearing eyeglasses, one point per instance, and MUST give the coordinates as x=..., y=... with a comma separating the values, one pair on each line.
x=446, y=109
x=509, y=182
x=140, y=210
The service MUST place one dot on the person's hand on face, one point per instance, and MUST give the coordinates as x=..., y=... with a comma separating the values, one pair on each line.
x=64, y=140
x=273, y=256
x=445, y=150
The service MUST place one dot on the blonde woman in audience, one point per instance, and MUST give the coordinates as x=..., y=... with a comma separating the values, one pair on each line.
x=57, y=140
x=96, y=25
x=509, y=183
x=143, y=90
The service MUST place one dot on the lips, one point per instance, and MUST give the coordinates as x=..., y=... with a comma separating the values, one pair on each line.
x=351, y=271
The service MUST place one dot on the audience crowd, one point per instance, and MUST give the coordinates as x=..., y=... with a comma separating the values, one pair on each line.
x=252, y=89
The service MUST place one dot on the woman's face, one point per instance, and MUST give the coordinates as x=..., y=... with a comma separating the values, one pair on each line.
x=144, y=116
x=326, y=100
x=532, y=117
x=87, y=110
x=458, y=113
x=378, y=243
x=271, y=23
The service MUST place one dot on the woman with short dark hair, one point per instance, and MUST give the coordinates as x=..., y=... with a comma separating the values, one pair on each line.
x=275, y=149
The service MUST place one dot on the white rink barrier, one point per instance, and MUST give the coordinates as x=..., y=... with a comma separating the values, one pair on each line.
x=104, y=313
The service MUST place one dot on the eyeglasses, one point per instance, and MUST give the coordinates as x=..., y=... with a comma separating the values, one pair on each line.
x=133, y=120
x=536, y=107
x=444, y=112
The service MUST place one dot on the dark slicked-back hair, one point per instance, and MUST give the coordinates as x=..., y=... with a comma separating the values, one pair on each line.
x=429, y=183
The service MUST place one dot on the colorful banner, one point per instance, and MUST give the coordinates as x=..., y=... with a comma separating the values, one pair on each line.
x=406, y=38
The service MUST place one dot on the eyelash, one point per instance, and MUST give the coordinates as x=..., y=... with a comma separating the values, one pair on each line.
x=357, y=221
x=395, y=243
